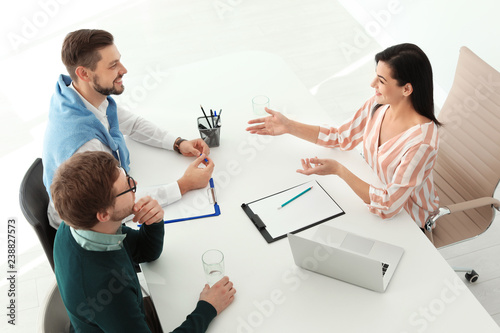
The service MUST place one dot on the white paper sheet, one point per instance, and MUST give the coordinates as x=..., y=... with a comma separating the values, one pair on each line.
x=311, y=207
x=193, y=204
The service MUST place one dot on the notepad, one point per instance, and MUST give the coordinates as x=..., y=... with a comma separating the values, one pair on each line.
x=314, y=207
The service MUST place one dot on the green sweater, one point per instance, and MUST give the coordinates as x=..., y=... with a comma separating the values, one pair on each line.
x=101, y=291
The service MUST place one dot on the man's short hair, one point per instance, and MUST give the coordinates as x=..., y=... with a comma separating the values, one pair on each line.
x=81, y=48
x=83, y=186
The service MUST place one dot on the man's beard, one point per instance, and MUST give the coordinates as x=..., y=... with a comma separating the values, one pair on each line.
x=107, y=91
x=120, y=215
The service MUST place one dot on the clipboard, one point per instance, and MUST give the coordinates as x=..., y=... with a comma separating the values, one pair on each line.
x=310, y=209
x=194, y=205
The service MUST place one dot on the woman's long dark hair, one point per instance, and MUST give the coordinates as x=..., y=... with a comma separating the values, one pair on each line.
x=409, y=64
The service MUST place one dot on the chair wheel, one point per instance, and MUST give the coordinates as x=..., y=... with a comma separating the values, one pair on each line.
x=472, y=276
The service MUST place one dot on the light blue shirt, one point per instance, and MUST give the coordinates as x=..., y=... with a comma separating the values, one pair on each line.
x=97, y=241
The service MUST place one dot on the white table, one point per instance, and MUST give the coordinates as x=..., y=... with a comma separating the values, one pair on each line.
x=273, y=294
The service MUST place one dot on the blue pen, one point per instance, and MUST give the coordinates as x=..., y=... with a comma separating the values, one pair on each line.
x=295, y=197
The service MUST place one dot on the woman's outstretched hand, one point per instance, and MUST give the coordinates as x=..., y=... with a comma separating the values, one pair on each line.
x=275, y=124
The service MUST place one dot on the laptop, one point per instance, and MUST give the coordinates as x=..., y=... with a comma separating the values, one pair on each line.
x=346, y=256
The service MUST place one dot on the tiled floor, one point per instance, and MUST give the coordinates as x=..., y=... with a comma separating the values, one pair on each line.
x=328, y=44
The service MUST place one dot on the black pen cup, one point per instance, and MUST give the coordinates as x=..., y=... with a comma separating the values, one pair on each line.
x=209, y=128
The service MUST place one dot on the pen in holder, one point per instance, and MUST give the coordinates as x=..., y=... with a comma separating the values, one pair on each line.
x=209, y=128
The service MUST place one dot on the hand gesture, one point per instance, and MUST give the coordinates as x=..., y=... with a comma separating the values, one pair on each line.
x=147, y=211
x=221, y=295
x=275, y=124
x=319, y=166
x=196, y=177
x=194, y=147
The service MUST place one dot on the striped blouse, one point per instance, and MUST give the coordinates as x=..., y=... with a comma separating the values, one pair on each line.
x=404, y=163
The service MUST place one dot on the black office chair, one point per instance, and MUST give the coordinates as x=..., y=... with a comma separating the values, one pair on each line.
x=34, y=200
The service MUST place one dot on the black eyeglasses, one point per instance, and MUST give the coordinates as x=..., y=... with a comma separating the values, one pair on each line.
x=132, y=184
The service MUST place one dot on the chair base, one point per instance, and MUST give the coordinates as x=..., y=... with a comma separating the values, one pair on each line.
x=470, y=274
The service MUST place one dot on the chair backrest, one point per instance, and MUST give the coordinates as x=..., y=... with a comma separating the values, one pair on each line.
x=34, y=200
x=468, y=163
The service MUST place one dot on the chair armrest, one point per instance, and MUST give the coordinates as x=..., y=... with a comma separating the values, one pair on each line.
x=459, y=207
x=476, y=203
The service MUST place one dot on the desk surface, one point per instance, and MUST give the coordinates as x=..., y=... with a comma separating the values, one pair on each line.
x=273, y=294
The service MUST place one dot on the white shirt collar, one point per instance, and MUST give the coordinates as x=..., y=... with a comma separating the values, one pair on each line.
x=99, y=112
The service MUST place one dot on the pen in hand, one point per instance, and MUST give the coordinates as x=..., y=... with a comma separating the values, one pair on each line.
x=207, y=162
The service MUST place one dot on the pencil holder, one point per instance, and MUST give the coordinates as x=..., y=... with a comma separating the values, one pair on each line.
x=209, y=128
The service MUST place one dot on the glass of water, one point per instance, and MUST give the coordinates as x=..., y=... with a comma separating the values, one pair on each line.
x=213, y=264
x=259, y=104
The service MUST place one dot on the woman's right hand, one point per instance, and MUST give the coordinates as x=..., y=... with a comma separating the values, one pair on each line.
x=317, y=166
x=275, y=124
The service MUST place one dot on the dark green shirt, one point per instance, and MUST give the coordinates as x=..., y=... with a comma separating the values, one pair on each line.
x=100, y=289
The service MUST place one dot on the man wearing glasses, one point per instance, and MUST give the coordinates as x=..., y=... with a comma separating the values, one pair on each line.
x=94, y=254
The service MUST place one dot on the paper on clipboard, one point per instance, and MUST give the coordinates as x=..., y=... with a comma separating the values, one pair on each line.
x=313, y=207
x=194, y=204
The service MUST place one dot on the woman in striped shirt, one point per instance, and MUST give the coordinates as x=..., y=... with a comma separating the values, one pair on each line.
x=398, y=130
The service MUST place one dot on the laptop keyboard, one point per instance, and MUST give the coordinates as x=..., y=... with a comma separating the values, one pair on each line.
x=384, y=268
